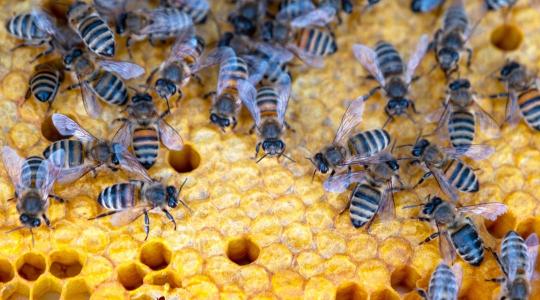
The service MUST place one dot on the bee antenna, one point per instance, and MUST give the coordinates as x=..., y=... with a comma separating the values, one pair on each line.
x=404, y=145
x=404, y=158
x=32, y=234
x=287, y=157
x=387, y=121
x=15, y=229
x=181, y=186
x=134, y=89
x=261, y=158
x=313, y=176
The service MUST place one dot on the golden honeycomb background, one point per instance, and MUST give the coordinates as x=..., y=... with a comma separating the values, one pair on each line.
x=266, y=230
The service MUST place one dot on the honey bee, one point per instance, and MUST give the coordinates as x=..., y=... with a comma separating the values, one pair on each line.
x=33, y=179
x=386, y=65
x=130, y=200
x=450, y=40
x=312, y=44
x=246, y=17
x=87, y=153
x=304, y=13
x=235, y=85
x=373, y=193
x=35, y=28
x=92, y=29
x=268, y=111
x=517, y=262
x=444, y=283
x=45, y=82
x=451, y=173
x=100, y=78
x=460, y=113
x=425, y=6
x=523, y=96
x=198, y=10
x=456, y=231
x=144, y=128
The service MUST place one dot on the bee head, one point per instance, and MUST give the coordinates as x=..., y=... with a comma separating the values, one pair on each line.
x=393, y=164
x=225, y=39
x=221, y=121
x=397, y=106
x=519, y=288
x=320, y=163
x=121, y=23
x=459, y=84
x=347, y=5
x=419, y=147
x=431, y=205
x=273, y=147
x=448, y=59
x=242, y=25
x=71, y=56
x=509, y=68
x=29, y=220
x=172, y=200
x=165, y=88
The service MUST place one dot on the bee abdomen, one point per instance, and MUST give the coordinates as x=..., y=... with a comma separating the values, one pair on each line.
x=111, y=88
x=23, y=26
x=31, y=173
x=294, y=8
x=462, y=177
x=388, y=59
x=468, y=244
x=529, y=105
x=146, y=145
x=117, y=197
x=73, y=149
x=44, y=85
x=456, y=18
x=267, y=99
x=369, y=142
x=198, y=15
x=97, y=35
x=498, y=4
x=514, y=252
x=461, y=129
x=443, y=284
x=365, y=200
x=316, y=42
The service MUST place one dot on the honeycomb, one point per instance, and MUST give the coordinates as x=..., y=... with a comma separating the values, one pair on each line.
x=265, y=230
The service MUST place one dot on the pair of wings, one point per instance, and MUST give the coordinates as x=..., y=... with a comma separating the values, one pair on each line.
x=194, y=4
x=68, y=127
x=531, y=243
x=124, y=69
x=162, y=21
x=282, y=91
x=49, y=167
x=368, y=58
x=310, y=15
x=167, y=135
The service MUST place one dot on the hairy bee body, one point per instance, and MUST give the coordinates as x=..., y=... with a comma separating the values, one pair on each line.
x=92, y=29
x=74, y=152
x=443, y=284
x=365, y=201
x=514, y=252
x=467, y=241
x=24, y=27
x=109, y=87
x=369, y=142
x=146, y=144
x=32, y=176
x=461, y=128
x=389, y=61
x=178, y=22
x=529, y=106
x=461, y=176
x=315, y=41
x=118, y=196
x=45, y=82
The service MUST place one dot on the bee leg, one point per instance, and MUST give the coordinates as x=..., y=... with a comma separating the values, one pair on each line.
x=57, y=198
x=209, y=95
x=430, y=238
x=170, y=217
x=47, y=221
x=44, y=53
x=151, y=76
x=497, y=279
x=146, y=224
x=422, y=293
x=252, y=129
x=105, y=214
x=129, y=43
x=421, y=219
x=499, y=262
x=71, y=87
x=165, y=113
x=424, y=177
x=257, y=148
x=23, y=45
x=288, y=126
x=500, y=95
x=180, y=96
x=120, y=120
x=469, y=57
x=49, y=108
x=198, y=79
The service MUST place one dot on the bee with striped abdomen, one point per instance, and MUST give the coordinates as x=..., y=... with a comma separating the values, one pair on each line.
x=425, y=6
x=374, y=190
x=268, y=111
x=456, y=231
x=444, y=283
x=386, y=65
x=235, y=85
x=33, y=179
x=450, y=40
x=144, y=128
x=198, y=10
x=100, y=78
x=522, y=93
x=45, y=82
x=92, y=28
x=304, y=13
x=517, y=262
x=312, y=44
x=87, y=153
x=35, y=28
x=156, y=25
x=128, y=201
x=451, y=173
x=460, y=114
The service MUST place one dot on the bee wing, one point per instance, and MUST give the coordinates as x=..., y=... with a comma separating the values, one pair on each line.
x=417, y=56
x=250, y=103
x=248, y=95
x=387, y=209
x=351, y=118
x=44, y=21
x=67, y=126
x=284, y=93
x=183, y=47
x=311, y=60
x=489, y=211
x=368, y=59
x=446, y=248
x=13, y=164
x=487, y=123
x=275, y=52
x=532, y=249
x=125, y=69
x=223, y=74
x=512, y=109
x=128, y=215
x=91, y=105
x=476, y=152
x=161, y=22
x=436, y=115
x=124, y=135
x=377, y=158
x=129, y=162
x=458, y=273
x=340, y=183
x=292, y=8
x=445, y=186
x=317, y=17
x=169, y=136
x=51, y=168
x=71, y=174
